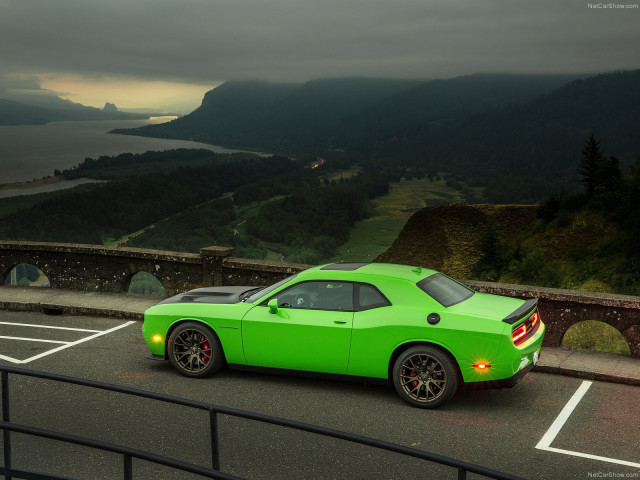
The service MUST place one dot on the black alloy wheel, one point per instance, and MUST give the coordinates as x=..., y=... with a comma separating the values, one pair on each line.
x=194, y=350
x=425, y=376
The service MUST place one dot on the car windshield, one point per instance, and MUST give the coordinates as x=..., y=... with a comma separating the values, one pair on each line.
x=267, y=290
x=444, y=290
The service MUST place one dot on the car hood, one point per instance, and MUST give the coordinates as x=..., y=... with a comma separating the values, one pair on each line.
x=220, y=295
x=485, y=305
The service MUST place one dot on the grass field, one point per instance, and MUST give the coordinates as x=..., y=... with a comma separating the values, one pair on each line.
x=370, y=237
x=598, y=336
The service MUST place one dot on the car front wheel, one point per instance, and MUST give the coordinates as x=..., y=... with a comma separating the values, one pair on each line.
x=425, y=376
x=194, y=350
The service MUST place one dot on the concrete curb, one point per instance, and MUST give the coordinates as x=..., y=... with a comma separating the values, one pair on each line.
x=56, y=302
x=586, y=375
x=589, y=365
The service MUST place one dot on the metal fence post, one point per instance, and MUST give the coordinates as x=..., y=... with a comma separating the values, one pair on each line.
x=6, y=434
x=213, y=426
x=128, y=467
x=462, y=474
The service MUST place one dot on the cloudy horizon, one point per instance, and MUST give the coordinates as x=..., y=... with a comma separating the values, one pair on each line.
x=142, y=52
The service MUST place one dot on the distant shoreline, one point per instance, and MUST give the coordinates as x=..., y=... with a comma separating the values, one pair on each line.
x=41, y=185
x=37, y=182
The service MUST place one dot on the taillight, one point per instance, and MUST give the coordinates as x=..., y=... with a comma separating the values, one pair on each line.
x=520, y=332
x=526, y=329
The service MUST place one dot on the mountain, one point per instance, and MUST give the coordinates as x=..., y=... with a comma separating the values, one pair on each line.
x=15, y=113
x=518, y=136
x=274, y=115
x=340, y=112
x=38, y=109
x=439, y=101
x=533, y=147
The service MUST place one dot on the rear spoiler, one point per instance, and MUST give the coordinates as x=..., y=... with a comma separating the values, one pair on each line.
x=526, y=307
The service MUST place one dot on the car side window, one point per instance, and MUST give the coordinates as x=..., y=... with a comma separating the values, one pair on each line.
x=370, y=297
x=318, y=295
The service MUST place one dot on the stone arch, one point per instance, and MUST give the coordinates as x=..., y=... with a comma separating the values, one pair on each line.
x=594, y=334
x=144, y=281
x=632, y=335
x=7, y=272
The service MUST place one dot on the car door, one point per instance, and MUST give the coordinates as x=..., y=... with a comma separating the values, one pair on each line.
x=311, y=329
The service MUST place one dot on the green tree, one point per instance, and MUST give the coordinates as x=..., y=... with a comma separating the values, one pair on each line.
x=591, y=164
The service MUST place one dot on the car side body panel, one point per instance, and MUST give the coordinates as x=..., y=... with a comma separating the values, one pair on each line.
x=227, y=325
x=298, y=339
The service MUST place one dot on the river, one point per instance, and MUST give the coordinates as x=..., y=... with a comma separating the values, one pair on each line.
x=34, y=151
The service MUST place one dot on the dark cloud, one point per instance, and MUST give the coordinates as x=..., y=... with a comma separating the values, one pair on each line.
x=29, y=83
x=202, y=41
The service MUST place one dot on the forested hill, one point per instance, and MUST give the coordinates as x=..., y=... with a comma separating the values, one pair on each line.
x=276, y=116
x=516, y=135
x=339, y=112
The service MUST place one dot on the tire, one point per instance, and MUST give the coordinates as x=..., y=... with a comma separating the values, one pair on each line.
x=436, y=376
x=194, y=350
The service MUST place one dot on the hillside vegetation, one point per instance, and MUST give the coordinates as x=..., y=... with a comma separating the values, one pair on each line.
x=583, y=240
x=449, y=237
x=185, y=200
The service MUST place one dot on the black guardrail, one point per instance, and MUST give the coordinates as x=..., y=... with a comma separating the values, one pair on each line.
x=214, y=410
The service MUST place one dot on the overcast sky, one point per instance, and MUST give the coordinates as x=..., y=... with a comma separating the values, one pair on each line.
x=196, y=44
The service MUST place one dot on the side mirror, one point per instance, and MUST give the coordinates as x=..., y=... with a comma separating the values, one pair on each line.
x=273, y=305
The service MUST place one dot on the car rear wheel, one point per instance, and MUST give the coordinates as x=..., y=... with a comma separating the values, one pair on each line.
x=425, y=376
x=194, y=350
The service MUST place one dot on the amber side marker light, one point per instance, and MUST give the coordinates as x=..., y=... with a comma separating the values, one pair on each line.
x=481, y=366
x=157, y=338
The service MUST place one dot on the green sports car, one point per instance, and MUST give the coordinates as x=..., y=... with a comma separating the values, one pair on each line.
x=415, y=328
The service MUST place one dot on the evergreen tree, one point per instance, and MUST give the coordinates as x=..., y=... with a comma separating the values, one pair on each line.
x=591, y=164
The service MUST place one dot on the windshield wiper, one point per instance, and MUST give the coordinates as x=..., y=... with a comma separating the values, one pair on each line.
x=248, y=293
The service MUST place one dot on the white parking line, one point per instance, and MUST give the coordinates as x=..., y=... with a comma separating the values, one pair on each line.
x=48, y=326
x=556, y=426
x=98, y=333
x=33, y=340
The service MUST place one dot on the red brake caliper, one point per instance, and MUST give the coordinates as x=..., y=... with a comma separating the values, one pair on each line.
x=414, y=384
x=205, y=347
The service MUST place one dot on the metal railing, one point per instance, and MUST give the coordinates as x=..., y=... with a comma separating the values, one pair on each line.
x=214, y=410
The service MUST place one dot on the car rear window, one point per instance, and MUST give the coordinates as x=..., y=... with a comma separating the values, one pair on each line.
x=444, y=290
x=370, y=297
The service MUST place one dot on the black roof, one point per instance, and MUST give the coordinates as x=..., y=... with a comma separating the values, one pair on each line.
x=345, y=267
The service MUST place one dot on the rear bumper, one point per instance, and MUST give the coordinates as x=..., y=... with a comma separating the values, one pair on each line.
x=502, y=383
x=510, y=364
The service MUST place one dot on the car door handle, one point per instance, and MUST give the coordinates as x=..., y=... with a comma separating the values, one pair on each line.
x=340, y=322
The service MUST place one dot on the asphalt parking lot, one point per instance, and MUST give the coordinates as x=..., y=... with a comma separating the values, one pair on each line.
x=547, y=427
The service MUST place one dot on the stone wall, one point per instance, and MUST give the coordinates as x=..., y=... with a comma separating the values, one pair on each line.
x=102, y=269
x=109, y=269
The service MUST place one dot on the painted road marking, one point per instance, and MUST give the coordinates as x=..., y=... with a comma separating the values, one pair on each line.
x=32, y=339
x=556, y=426
x=48, y=326
x=98, y=333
